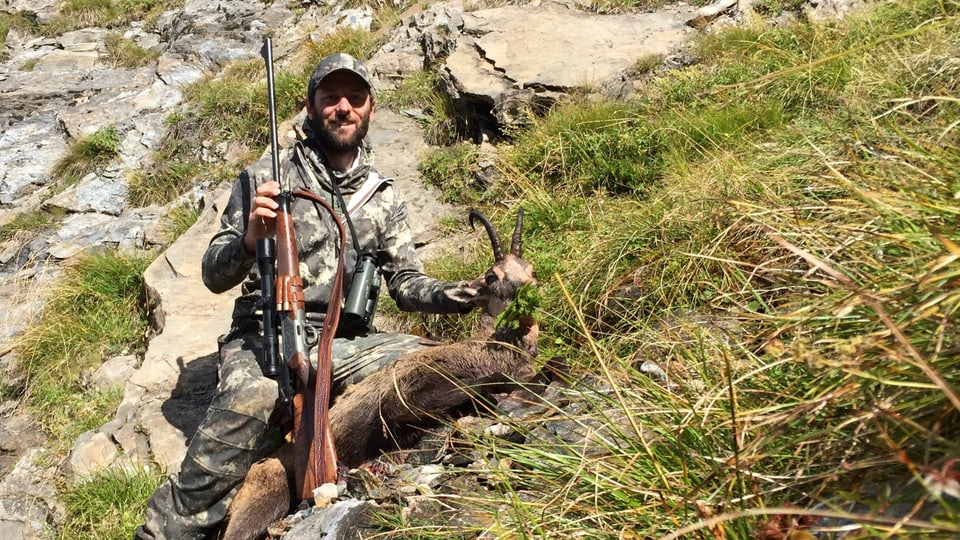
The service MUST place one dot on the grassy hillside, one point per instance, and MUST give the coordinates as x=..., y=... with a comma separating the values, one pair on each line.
x=775, y=227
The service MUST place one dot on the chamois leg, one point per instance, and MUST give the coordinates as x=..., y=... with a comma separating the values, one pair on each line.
x=264, y=497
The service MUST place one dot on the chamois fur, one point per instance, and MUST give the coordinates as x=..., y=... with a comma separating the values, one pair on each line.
x=418, y=387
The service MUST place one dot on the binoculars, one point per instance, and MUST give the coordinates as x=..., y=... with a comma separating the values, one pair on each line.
x=361, y=304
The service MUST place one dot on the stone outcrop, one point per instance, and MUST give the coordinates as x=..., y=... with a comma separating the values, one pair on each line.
x=499, y=65
x=503, y=64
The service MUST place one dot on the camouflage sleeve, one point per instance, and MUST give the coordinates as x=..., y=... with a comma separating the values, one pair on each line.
x=226, y=262
x=409, y=287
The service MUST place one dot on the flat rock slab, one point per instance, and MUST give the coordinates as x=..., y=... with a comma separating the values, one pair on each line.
x=173, y=386
x=398, y=147
x=556, y=47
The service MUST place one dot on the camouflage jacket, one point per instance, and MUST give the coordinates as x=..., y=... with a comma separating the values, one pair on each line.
x=380, y=225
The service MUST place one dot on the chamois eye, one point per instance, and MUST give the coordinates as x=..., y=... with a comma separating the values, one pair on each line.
x=491, y=279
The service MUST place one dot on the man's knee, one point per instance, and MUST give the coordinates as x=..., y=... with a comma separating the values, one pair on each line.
x=253, y=396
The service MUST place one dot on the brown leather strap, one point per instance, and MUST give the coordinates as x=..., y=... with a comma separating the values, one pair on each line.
x=321, y=467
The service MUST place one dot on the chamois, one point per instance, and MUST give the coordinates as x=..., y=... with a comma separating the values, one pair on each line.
x=416, y=388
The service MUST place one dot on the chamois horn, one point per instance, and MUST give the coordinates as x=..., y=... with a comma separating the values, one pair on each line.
x=491, y=232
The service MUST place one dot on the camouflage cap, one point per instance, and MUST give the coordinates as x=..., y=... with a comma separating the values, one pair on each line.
x=336, y=62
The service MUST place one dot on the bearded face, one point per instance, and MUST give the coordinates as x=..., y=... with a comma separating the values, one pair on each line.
x=335, y=139
x=340, y=111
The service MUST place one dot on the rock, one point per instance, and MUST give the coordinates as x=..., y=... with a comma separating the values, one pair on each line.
x=94, y=451
x=84, y=40
x=173, y=71
x=18, y=434
x=707, y=14
x=114, y=372
x=95, y=193
x=824, y=10
x=344, y=520
x=515, y=79
x=28, y=141
x=171, y=388
x=21, y=304
x=398, y=148
x=42, y=10
x=130, y=90
x=81, y=232
x=28, y=501
x=62, y=60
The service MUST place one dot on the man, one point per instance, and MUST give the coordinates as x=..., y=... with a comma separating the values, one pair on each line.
x=333, y=161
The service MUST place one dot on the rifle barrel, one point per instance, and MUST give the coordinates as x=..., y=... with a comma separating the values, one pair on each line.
x=267, y=53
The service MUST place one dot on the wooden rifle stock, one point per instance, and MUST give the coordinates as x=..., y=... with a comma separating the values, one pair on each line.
x=315, y=454
x=291, y=302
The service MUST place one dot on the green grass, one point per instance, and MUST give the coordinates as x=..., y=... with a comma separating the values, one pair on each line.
x=125, y=53
x=179, y=219
x=355, y=42
x=776, y=7
x=92, y=312
x=605, y=146
x=234, y=106
x=156, y=185
x=11, y=21
x=76, y=14
x=452, y=170
x=27, y=222
x=108, y=506
x=422, y=92
x=619, y=6
x=87, y=155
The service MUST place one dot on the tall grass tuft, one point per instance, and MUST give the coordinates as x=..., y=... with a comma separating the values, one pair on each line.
x=353, y=41
x=76, y=14
x=107, y=506
x=179, y=219
x=11, y=21
x=93, y=311
x=422, y=92
x=125, y=53
x=87, y=155
x=452, y=170
x=27, y=222
x=603, y=146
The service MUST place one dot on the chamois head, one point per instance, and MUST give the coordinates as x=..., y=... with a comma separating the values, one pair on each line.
x=499, y=285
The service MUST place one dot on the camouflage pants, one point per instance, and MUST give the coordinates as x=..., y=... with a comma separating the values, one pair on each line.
x=237, y=431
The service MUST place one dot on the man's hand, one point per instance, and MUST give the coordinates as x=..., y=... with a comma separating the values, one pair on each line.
x=470, y=293
x=262, y=221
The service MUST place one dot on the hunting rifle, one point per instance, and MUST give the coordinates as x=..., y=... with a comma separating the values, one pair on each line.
x=306, y=393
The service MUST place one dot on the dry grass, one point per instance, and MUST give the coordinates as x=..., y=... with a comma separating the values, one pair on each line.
x=794, y=280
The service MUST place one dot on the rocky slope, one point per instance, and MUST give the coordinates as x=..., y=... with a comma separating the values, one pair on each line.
x=501, y=62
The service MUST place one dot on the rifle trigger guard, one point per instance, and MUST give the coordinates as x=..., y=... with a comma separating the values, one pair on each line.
x=311, y=335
